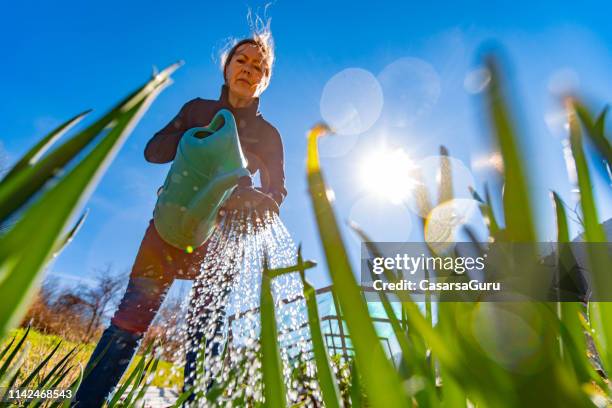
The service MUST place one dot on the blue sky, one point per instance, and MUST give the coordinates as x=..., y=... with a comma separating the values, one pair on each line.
x=63, y=57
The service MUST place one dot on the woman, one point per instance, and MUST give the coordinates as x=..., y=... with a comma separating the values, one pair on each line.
x=247, y=70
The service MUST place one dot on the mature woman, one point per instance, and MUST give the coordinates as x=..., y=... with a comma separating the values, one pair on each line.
x=247, y=72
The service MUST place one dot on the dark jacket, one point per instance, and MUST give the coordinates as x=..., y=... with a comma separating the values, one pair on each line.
x=260, y=141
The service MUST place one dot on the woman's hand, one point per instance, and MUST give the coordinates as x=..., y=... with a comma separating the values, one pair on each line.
x=252, y=199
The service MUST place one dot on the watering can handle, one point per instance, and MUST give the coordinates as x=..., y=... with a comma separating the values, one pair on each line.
x=221, y=119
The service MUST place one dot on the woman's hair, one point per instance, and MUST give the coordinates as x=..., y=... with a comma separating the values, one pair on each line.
x=262, y=38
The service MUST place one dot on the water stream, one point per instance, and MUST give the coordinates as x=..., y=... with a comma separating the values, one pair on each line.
x=224, y=308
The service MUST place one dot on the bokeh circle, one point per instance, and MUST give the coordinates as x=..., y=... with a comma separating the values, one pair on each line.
x=351, y=101
x=411, y=87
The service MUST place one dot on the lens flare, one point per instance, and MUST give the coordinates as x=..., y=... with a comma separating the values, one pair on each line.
x=411, y=87
x=454, y=176
x=389, y=174
x=477, y=80
x=351, y=101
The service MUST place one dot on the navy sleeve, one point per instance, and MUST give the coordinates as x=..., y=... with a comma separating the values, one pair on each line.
x=274, y=165
x=162, y=146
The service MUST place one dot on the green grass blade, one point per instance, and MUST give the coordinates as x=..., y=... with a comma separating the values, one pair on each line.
x=516, y=202
x=73, y=389
x=145, y=386
x=23, y=267
x=7, y=347
x=27, y=182
x=138, y=381
x=57, y=379
x=592, y=229
x=218, y=388
x=421, y=194
x=414, y=357
x=493, y=223
x=182, y=398
x=596, y=130
x=445, y=188
x=415, y=362
x=57, y=368
x=25, y=249
x=422, y=333
x=36, y=152
x=11, y=356
x=562, y=227
x=132, y=378
x=329, y=386
x=562, y=237
x=395, y=324
x=486, y=211
x=274, y=273
x=8, y=387
x=380, y=379
x=574, y=343
x=453, y=394
x=571, y=333
x=271, y=364
x=89, y=368
x=355, y=390
x=40, y=366
x=325, y=377
x=69, y=236
x=593, y=232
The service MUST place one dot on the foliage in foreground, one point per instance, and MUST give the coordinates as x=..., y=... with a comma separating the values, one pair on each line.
x=485, y=354
x=43, y=190
x=39, y=344
x=38, y=197
x=63, y=370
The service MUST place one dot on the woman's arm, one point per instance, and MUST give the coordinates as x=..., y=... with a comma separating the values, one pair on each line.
x=274, y=166
x=162, y=146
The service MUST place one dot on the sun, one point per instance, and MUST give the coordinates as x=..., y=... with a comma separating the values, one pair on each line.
x=388, y=174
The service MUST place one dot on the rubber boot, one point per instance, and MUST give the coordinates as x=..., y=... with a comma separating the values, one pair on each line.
x=106, y=365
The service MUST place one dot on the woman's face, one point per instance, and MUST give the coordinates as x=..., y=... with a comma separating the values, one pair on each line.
x=247, y=74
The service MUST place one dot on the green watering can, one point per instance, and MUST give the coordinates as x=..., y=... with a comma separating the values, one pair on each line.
x=205, y=171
